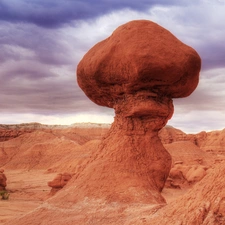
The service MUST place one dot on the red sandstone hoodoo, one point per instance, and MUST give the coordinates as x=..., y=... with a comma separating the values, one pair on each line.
x=137, y=71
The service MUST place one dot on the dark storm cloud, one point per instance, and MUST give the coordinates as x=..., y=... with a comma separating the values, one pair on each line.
x=37, y=71
x=213, y=55
x=41, y=95
x=52, y=13
x=201, y=26
x=45, y=44
x=42, y=41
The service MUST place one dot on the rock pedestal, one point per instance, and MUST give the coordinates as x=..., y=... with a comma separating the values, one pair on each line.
x=137, y=71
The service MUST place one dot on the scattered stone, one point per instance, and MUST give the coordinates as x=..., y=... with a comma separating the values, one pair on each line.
x=59, y=182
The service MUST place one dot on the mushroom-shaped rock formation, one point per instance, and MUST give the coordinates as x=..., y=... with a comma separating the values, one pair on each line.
x=137, y=71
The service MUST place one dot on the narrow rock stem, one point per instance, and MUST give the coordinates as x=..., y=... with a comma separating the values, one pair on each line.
x=131, y=164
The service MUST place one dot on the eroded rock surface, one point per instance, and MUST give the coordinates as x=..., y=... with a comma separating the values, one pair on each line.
x=204, y=204
x=3, y=180
x=79, y=132
x=59, y=182
x=137, y=71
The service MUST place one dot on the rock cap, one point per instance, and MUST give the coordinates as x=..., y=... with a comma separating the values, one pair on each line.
x=139, y=56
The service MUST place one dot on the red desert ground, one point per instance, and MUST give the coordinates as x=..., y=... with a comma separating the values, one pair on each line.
x=39, y=160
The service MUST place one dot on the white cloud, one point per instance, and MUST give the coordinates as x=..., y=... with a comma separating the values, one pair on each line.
x=58, y=51
x=204, y=109
x=196, y=121
x=65, y=119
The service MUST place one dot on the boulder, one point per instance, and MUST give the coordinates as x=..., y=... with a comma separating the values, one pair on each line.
x=3, y=180
x=59, y=182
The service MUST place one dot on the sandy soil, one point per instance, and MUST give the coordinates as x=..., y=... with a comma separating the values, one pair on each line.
x=28, y=190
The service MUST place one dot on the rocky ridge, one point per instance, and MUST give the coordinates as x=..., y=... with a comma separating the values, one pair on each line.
x=85, y=130
x=212, y=141
x=58, y=154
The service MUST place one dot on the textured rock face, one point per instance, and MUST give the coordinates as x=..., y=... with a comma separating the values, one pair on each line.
x=3, y=180
x=80, y=132
x=137, y=71
x=59, y=182
x=212, y=141
x=170, y=134
x=183, y=175
x=203, y=204
x=139, y=57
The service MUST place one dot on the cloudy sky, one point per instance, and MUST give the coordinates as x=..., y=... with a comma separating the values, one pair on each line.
x=42, y=41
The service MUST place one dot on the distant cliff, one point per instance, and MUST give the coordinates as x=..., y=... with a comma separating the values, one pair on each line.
x=88, y=131
x=207, y=141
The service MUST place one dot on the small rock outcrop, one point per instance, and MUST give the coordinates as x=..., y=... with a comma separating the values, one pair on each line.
x=137, y=71
x=3, y=180
x=59, y=182
x=204, y=204
x=184, y=175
